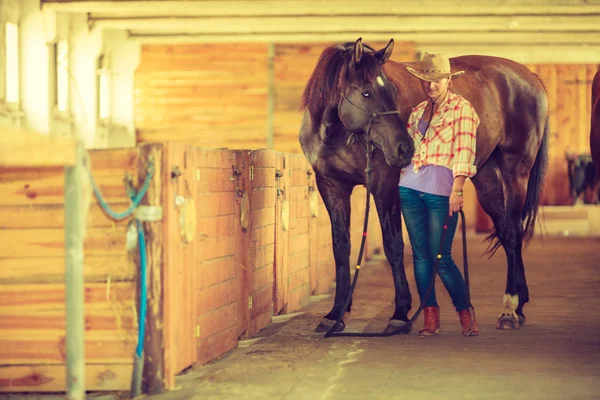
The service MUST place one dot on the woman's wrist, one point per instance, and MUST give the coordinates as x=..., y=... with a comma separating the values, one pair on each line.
x=458, y=192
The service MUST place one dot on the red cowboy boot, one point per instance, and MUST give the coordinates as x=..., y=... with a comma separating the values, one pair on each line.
x=432, y=321
x=468, y=323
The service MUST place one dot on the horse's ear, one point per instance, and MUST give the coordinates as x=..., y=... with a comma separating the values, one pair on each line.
x=330, y=118
x=358, y=51
x=384, y=54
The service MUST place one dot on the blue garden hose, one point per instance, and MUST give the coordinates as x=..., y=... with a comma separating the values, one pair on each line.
x=138, y=364
x=143, y=290
x=137, y=199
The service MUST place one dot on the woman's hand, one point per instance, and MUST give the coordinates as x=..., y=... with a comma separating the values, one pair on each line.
x=456, y=203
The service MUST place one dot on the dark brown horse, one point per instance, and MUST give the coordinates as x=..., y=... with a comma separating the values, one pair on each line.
x=595, y=124
x=352, y=83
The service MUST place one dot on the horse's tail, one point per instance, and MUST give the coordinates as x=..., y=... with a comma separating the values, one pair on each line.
x=535, y=186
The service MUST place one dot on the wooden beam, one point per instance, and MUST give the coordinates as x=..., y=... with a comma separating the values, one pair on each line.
x=539, y=54
x=327, y=7
x=334, y=24
x=21, y=148
x=423, y=38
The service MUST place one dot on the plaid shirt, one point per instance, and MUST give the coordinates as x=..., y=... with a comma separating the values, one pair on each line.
x=450, y=138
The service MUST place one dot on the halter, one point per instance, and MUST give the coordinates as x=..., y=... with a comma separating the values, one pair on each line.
x=368, y=144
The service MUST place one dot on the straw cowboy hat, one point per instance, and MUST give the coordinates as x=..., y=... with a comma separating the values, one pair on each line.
x=434, y=67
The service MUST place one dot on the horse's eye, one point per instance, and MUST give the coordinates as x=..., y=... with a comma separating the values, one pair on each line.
x=366, y=94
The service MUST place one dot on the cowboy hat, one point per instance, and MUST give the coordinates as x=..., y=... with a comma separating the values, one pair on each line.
x=434, y=67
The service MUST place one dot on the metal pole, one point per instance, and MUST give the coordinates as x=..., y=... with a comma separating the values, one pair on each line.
x=77, y=200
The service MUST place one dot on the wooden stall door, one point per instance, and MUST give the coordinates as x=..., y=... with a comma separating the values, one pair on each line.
x=179, y=213
x=298, y=251
x=282, y=222
x=261, y=249
x=220, y=310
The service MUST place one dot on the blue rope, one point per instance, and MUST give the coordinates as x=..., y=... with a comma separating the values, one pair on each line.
x=143, y=290
x=136, y=200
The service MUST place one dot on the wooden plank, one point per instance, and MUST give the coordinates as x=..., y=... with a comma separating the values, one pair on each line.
x=116, y=320
x=52, y=216
x=215, y=204
x=48, y=188
x=217, y=226
x=214, y=158
x=52, y=378
x=212, y=272
x=50, y=242
x=115, y=268
x=217, y=320
x=49, y=297
x=260, y=277
x=262, y=236
x=340, y=23
x=216, y=345
x=23, y=148
x=216, y=247
x=263, y=255
x=317, y=7
x=105, y=349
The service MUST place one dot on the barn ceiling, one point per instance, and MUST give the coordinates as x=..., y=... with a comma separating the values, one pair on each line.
x=493, y=22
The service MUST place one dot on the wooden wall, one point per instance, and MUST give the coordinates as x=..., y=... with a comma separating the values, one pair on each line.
x=32, y=303
x=216, y=96
x=569, y=94
x=205, y=95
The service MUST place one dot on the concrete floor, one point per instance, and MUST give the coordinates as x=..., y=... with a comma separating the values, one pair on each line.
x=556, y=355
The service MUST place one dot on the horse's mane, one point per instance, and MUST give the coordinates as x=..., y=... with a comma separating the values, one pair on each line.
x=330, y=76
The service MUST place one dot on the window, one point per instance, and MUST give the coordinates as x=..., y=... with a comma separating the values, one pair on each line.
x=12, y=63
x=103, y=91
x=61, y=52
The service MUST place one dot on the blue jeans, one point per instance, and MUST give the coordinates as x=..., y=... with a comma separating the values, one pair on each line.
x=424, y=216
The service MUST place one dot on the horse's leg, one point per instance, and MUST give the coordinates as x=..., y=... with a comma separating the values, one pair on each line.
x=503, y=199
x=387, y=201
x=336, y=197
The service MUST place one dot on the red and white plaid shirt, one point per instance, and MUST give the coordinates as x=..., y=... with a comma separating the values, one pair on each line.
x=450, y=138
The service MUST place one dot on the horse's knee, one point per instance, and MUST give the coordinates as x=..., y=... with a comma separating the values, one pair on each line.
x=394, y=248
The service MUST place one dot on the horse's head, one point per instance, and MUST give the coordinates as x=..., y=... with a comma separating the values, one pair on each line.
x=349, y=83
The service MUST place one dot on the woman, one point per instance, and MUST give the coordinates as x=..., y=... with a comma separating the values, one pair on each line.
x=431, y=187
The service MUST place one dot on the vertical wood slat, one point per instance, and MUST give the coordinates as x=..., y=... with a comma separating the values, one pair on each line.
x=282, y=218
x=179, y=257
x=155, y=370
x=261, y=249
x=217, y=289
x=242, y=210
x=313, y=231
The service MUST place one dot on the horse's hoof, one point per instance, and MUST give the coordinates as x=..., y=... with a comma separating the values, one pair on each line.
x=397, y=325
x=521, y=319
x=326, y=324
x=508, y=322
